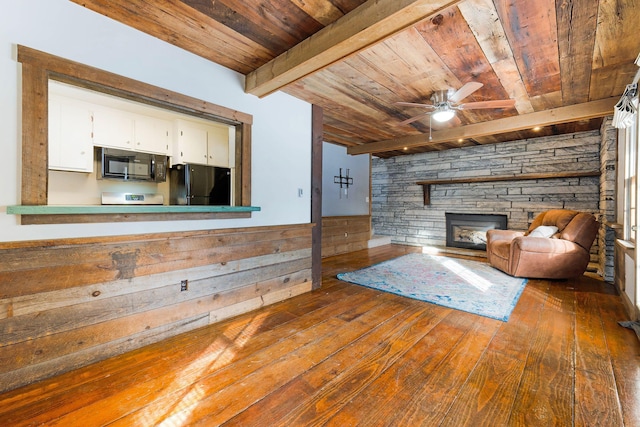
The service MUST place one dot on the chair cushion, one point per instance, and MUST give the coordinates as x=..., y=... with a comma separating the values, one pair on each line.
x=557, y=217
x=582, y=230
x=544, y=231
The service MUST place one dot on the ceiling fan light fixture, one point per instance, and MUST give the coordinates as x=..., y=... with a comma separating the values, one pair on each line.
x=443, y=115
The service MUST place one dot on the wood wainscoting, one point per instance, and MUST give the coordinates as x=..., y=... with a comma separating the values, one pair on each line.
x=342, y=234
x=71, y=302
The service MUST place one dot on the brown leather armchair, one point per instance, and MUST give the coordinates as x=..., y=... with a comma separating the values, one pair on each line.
x=563, y=255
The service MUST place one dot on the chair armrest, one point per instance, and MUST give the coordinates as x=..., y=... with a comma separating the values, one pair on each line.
x=545, y=245
x=508, y=235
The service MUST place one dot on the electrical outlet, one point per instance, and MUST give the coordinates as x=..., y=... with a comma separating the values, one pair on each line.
x=184, y=285
x=299, y=192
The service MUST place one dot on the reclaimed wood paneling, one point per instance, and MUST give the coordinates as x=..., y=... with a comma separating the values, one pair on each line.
x=177, y=23
x=483, y=20
x=342, y=234
x=66, y=303
x=577, y=25
x=616, y=41
x=532, y=32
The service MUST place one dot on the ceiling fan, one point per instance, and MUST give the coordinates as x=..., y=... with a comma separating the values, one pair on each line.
x=444, y=106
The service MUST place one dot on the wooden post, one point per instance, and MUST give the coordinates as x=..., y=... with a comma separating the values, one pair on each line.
x=316, y=194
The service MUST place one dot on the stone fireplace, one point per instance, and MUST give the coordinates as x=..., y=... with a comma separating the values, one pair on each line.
x=469, y=231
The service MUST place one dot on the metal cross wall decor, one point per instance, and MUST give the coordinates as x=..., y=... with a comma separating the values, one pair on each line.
x=344, y=180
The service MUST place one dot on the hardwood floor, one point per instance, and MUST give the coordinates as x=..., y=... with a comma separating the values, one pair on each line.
x=347, y=355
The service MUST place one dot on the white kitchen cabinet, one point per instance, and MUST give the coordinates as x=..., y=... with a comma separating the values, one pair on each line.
x=113, y=128
x=70, y=143
x=129, y=131
x=152, y=135
x=218, y=146
x=201, y=143
x=190, y=143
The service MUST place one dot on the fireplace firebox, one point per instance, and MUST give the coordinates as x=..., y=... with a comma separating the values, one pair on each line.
x=469, y=231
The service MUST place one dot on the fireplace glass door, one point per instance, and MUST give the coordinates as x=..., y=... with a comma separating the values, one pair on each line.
x=469, y=231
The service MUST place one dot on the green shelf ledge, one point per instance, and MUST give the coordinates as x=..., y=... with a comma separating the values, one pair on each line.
x=121, y=209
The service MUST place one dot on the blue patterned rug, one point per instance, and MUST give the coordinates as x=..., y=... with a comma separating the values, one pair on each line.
x=470, y=286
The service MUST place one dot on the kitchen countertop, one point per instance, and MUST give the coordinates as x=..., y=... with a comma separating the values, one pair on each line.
x=120, y=209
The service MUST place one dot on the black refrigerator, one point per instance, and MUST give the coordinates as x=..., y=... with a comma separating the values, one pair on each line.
x=199, y=185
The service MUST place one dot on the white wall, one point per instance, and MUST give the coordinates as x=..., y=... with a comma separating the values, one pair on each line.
x=281, y=160
x=356, y=202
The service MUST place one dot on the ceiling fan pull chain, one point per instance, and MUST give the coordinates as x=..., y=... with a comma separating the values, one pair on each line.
x=429, y=127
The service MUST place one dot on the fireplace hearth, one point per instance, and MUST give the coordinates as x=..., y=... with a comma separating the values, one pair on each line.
x=469, y=231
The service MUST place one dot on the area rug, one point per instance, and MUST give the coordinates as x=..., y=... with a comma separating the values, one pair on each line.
x=466, y=285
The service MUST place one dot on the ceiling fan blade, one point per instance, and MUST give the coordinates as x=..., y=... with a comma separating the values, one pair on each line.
x=413, y=119
x=502, y=103
x=465, y=91
x=413, y=104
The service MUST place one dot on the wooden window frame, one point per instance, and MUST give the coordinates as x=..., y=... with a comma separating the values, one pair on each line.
x=40, y=67
x=630, y=186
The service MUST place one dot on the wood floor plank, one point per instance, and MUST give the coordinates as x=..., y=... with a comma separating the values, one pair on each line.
x=487, y=397
x=354, y=372
x=624, y=348
x=596, y=400
x=386, y=398
x=346, y=355
x=228, y=402
x=273, y=344
x=431, y=401
x=546, y=392
x=336, y=367
x=228, y=389
x=175, y=391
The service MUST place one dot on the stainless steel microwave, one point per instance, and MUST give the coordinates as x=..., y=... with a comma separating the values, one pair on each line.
x=132, y=166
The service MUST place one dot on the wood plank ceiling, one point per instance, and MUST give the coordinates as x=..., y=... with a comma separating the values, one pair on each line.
x=564, y=62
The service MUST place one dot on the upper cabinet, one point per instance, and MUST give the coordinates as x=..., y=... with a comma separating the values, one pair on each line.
x=152, y=135
x=113, y=128
x=129, y=131
x=70, y=142
x=203, y=143
x=80, y=120
x=190, y=144
x=218, y=141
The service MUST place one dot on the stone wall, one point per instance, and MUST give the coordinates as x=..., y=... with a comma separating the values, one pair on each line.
x=397, y=202
x=607, y=235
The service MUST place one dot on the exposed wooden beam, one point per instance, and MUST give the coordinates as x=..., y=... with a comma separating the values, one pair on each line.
x=571, y=113
x=364, y=26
